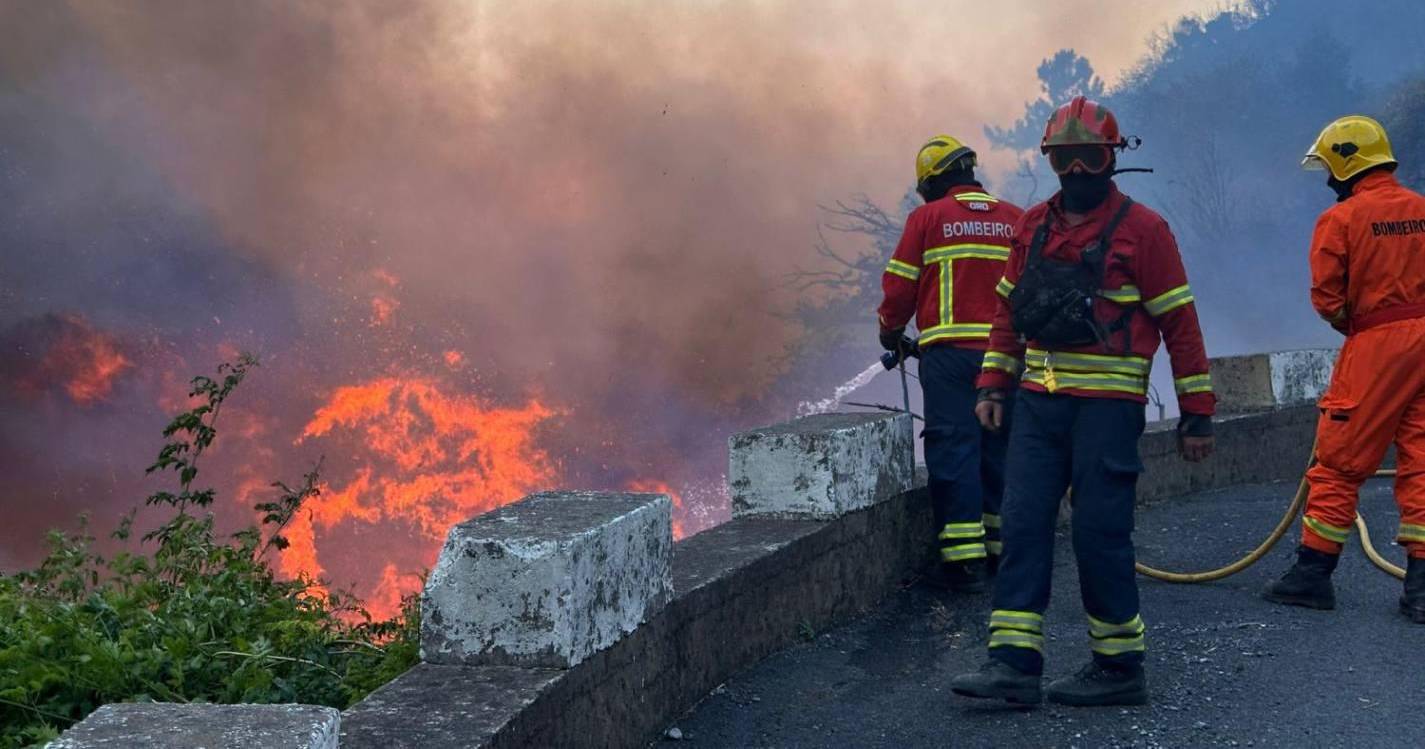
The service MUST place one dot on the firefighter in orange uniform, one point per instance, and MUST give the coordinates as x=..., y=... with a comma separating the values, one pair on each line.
x=1368, y=282
x=1094, y=284
x=944, y=270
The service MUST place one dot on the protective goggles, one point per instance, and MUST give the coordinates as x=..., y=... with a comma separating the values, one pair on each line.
x=1090, y=159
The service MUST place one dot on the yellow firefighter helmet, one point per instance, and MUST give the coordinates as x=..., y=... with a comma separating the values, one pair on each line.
x=1348, y=147
x=940, y=154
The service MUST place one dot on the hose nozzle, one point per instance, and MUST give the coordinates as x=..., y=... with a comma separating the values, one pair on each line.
x=908, y=349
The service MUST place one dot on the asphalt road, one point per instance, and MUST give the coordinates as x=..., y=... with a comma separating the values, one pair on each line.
x=1225, y=668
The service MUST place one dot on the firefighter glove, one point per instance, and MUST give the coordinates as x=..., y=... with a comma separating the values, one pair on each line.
x=891, y=339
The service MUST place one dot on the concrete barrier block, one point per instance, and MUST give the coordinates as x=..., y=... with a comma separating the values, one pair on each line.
x=1277, y=380
x=821, y=466
x=548, y=581
x=185, y=726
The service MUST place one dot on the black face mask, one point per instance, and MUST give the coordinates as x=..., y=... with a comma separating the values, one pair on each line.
x=1084, y=192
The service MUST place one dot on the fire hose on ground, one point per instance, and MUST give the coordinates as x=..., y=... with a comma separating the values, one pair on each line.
x=1286, y=523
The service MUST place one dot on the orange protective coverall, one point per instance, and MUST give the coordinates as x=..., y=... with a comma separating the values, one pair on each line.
x=1368, y=281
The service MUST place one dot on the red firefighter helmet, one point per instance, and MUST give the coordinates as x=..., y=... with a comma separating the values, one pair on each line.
x=1081, y=122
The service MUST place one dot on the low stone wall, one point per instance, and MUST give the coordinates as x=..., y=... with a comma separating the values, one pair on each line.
x=822, y=533
x=164, y=726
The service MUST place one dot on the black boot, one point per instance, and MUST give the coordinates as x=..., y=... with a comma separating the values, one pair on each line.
x=1101, y=684
x=968, y=576
x=1412, y=603
x=1308, y=582
x=999, y=680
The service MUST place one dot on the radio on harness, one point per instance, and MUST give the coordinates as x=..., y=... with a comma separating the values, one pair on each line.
x=1053, y=303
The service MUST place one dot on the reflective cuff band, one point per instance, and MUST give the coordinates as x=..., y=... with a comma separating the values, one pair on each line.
x=1002, y=362
x=963, y=251
x=1087, y=363
x=990, y=521
x=1194, y=384
x=956, y=331
x=1119, y=645
x=1027, y=621
x=1411, y=533
x=1164, y=303
x=962, y=530
x=1332, y=533
x=1099, y=628
x=1011, y=639
x=904, y=270
x=962, y=552
x=1004, y=287
x=1125, y=295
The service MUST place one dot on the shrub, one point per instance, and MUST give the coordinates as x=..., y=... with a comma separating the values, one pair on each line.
x=191, y=616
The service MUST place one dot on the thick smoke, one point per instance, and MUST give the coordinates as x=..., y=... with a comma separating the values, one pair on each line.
x=589, y=206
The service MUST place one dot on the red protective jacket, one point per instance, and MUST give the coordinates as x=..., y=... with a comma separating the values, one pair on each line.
x=1143, y=276
x=1383, y=227
x=951, y=254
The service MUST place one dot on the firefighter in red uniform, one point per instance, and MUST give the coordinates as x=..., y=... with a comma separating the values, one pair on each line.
x=944, y=271
x=1094, y=280
x=1368, y=281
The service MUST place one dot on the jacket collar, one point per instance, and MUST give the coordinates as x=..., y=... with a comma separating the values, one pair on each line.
x=1374, y=182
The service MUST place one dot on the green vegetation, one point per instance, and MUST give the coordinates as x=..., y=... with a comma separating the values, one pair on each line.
x=192, y=616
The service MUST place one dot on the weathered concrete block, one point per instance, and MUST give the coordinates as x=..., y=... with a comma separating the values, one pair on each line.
x=1276, y=380
x=185, y=726
x=549, y=580
x=821, y=466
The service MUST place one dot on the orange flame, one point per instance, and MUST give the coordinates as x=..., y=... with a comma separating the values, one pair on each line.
x=82, y=362
x=653, y=486
x=426, y=458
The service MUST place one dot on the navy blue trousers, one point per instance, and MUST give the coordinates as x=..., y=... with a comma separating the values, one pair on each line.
x=1088, y=446
x=965, y=462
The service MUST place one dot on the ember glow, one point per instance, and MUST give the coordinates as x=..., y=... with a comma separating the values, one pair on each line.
x=651, y=486
x=64, y=353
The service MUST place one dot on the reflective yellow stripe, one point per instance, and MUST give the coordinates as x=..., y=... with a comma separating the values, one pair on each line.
x=1004, y=287
x=1119, y=645
x=947, y=292
x=904, y=270
x=1087, y=363
x=1004, y=362
x=1002, y=639
x=1165, y=303
x=977, y=196
x=963, y=251
x=1327, y=531
x=1100, y=628
x=995, y=547
x=1193, y=384
x=1008, y=618
x=1125, y=295
x=1411, y=532
x=962, y=552
x=1090, y=382
x=965, y=330
x=990, y=521
x=962, y=530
